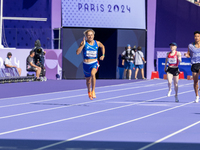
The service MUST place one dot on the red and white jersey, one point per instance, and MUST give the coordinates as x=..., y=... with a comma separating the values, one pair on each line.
x=173, y=60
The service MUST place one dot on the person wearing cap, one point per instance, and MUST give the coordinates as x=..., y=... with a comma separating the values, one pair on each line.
x=173, y=58
x=194, y=54
x=127, y=61
x=8, y=63
x=139, y=60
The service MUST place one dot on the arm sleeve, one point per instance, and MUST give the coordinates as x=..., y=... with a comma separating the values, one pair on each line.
x=124, y=52
x=6, y=61
x=141, y=53
x=29, y=60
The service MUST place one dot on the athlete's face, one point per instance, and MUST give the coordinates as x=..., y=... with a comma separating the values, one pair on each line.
x=128, y=47
x=197, y=37
x=173, y=47
x=90, y=36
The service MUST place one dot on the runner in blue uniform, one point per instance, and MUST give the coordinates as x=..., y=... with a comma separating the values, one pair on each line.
x=194, y=54
x=89, y=46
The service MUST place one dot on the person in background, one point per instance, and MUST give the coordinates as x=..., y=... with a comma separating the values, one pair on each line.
x=30, y=65
x=173, y=57
x=39, y=53
x=8, y=63
x=127, y=61
x=139, y=59
x=194, y=54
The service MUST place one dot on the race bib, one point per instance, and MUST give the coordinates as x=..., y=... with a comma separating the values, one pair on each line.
x=172, y=60
x=91, y=53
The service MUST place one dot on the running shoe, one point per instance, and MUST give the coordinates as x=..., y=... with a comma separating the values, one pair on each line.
x=90, y=95
x=136, y=78
x=144, y=78
x=93, y=94
x=169, y=93
x=176, y=99
x=197, y=99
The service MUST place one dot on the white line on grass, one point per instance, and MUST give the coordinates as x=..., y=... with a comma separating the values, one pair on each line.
x=111, y=127
x=168, y=136
x=52, y=99
x=72, y=90
x=48, y=109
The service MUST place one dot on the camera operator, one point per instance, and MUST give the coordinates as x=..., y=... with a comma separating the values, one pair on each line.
x=39, y=54
x=30, y=65
x=127, y=61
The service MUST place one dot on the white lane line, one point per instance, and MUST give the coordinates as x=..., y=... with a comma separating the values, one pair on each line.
x=168, y=136
x=61, y=120
x=42, y=110
x=80, y=95
x=72, y=90
x=111, y=127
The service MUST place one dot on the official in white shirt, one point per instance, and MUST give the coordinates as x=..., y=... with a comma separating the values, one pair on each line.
x=8, y=63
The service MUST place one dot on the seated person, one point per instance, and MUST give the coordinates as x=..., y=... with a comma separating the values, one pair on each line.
x=30, y=65
x=8, y=63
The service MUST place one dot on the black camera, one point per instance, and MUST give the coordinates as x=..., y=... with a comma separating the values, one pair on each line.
x=38, y=52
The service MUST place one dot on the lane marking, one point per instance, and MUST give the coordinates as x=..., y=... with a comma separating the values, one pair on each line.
x=72, y=90
x=111, y=127
x=79, y=95
x=70, y=118
x=42, y=110
x=168, y=136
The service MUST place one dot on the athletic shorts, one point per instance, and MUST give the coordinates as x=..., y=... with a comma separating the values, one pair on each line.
x=173, y=71
x=128, y=65
x=139, y=66
x=87, y=68
x=31, y=69
x=195, y=67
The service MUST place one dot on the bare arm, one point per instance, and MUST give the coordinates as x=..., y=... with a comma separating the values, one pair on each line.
x=9, y=66
x=102, y=49
x=166, y=60
x=179, y=56
x=122, y=62
x=79, y=50
x=143, y=60
x=33, y=65
x=187, y=54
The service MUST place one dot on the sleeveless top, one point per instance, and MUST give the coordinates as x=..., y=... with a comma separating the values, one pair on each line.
x=194, y=53
x=90, y=51
x=173, y=60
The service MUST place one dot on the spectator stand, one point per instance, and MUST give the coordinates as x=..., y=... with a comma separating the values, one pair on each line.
x=11, y=75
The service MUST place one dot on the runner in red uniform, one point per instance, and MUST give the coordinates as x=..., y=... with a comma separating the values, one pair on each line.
x=173, y=57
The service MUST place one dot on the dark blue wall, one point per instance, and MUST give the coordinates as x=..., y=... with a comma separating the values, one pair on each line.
x=22, y=34
x=176, y=20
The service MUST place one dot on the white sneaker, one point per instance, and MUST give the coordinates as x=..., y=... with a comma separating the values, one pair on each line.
x=176, y=99
x=197, y=99
x=169, y=93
